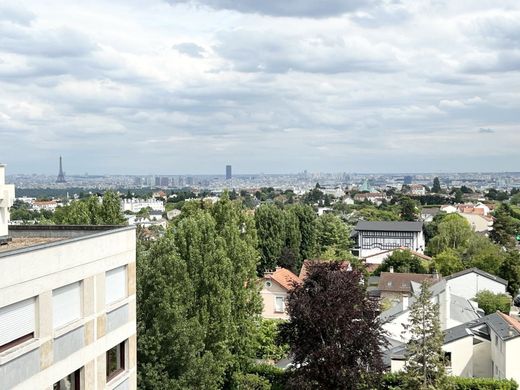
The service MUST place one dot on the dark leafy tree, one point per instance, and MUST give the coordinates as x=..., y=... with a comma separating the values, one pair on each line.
x=270, y=227
x=409, y=209
x=307, y=226
x=333, y=333
x=504, y=227
x=436, y=188
x=510, y=271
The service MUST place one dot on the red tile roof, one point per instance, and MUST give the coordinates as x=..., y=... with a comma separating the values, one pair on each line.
x=304, y=271
x=283, y=277
x=513, y=322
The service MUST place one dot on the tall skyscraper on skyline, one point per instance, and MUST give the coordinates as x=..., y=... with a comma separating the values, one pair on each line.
x=228, y=172
x=61, y=174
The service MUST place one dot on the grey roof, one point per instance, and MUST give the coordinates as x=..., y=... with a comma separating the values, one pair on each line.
x=494, y=321
x=461, y=310
x=389, y=226
x=479, y=272
x=431, y=211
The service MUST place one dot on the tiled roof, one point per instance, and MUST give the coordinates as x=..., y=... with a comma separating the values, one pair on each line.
x=390, y=226
x=304, y=271
x=401, y=282
x=283, y=277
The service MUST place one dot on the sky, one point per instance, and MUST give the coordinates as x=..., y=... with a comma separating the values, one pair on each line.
x=174, y=87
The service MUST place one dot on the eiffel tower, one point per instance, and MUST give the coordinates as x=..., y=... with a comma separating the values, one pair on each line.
x=61, y=175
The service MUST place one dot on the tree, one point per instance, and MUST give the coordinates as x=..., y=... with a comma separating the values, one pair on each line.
x=510, y=271
x=453, y=232
x=504, y=226
x=436, y=188
x=408, y=209
x=448, y=262
x=333, y=234
x=290, y=256
x=490, y=302
x=402, y=261
x=483, y=254
x=425, y=367
x=333, y=333
x=198, y=302
x=111, y=209
x=307, y=226
x=268, y=347
x=270, y=227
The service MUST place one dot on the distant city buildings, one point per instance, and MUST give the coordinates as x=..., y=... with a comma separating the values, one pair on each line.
x=228, y=172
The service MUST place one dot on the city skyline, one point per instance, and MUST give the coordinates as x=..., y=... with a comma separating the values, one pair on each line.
x=187, y=86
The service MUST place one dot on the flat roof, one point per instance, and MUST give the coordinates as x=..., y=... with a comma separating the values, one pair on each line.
x=25, y=238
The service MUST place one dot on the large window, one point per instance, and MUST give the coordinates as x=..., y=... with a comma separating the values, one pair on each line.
x=17, y=323
x=115, y=285
x=115, y=361
x=66, y=304
x=279, y=304
x=70, y=382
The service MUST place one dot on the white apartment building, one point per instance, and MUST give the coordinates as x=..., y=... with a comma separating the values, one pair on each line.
x=67, y=307
x=135, y=205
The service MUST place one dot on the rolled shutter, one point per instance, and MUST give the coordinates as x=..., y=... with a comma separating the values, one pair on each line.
x=17, y=320
x=66, y=304
x=115, y=285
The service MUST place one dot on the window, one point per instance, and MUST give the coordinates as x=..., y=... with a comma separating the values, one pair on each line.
x=17, y=323
x=115, y=361
x=70, y=382
x=66, y=304
x=115, y=285
x=447, y=359
x=279, y=304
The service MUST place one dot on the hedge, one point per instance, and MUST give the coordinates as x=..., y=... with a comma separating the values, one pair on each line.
x=276, y=376
x=394, y=381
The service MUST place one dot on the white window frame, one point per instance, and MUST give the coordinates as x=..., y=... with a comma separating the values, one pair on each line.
x=276, y=306
x=116, y=285
x=66, y=305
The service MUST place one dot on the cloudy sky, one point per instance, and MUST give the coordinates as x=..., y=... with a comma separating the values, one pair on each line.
x=173, y=87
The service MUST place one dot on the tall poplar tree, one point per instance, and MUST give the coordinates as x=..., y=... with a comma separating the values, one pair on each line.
x=425, y=368
x=270, y=228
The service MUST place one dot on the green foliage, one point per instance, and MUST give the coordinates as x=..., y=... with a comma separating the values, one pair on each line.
x=91, y=211
x=425, y=368
x=267, y=346
x=333, y=235
x=510, y=271
x=243, y=381
x=448, y=262
x=396, y=381
x=436, y=188
x=198, y=301
x=306, y=219
x=277, y=377
x=483, y=254
x=270, y=226
x=490, y=302
x=505, y=226
x=409, y=209
x=402, y=261
x=453, y=232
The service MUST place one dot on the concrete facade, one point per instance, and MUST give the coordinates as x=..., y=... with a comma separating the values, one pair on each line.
x=83, y=255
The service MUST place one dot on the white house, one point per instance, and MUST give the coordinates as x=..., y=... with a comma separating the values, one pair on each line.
x=471, y=281
x=376, y=237
x=275, y=288
x=487, y=347
x=378, y=258
x=449, y=209
x=135, y=205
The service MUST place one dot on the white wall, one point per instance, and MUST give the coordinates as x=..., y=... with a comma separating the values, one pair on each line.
x=467, y=286
x=512, y=355
x=461, y=356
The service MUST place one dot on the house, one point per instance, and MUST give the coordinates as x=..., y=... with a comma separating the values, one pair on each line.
x=275, y=288
x=47, y=205
x=449, y=209
x=376, y=237
x=393, y=286
x=417, y=189
x=135, y=205
x=67, y=306
x=471, y=281
x=372, y=197
x=428, y=213
x=6, y=201
x=453, y=311
x=378, y=258
x=304, y=270
x=479, y=223
x=487, y=347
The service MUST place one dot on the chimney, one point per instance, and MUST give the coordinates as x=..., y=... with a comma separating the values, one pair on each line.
x=405, y=301
x=511, y=331
x=391, y=270
x=6, y=201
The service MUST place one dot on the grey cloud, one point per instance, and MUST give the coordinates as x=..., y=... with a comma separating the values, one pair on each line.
x=294, y=8
x=190, y=49
x=494, y=62
x=483, y=130
x=15, y=14
x=256, y=51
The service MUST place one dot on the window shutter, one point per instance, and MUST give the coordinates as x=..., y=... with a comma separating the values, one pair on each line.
x=17, y=320
x=279, y=304
x=115, y=285
x=66, y=304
